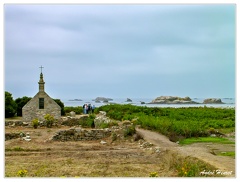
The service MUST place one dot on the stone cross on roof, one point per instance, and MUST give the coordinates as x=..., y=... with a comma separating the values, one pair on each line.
x=41, y=68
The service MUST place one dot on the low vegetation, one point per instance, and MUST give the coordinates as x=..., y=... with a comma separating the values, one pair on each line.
x=87, y=122
x=35, y=123
x=206, y=139
x=49, y=120
x=77, y=110
x=229, y=153
x=176, y=123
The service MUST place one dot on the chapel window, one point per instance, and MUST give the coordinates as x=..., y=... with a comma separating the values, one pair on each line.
x=41, y=103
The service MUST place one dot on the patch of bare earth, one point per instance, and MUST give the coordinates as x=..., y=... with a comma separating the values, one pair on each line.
x=42, y=157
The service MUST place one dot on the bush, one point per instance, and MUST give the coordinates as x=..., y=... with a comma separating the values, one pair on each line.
x=35, y=123
x=153, y=174
x=103, y=125
x=114, y=136
x=77, y=110
x=129, y=131
x=22, y=173
x=88, y=121
x=49, y=120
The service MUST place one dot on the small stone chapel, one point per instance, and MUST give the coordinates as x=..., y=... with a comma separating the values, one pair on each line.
x=40, y=105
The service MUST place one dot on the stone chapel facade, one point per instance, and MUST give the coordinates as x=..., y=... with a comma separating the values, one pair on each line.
x=40, y=105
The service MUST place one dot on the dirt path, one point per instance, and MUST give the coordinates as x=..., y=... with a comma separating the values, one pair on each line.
x=198, y=150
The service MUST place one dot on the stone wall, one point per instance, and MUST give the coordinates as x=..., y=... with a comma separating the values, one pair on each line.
x=13, y=123
x=9, y=136
x=78, y=134
x=31, y=110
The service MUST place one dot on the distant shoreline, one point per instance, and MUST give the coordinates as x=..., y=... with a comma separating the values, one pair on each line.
x=139, y=102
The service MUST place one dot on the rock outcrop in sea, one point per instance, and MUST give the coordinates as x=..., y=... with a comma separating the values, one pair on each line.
x=129, y=100
x=102, y=99
x=212, y=101
x=173, y=100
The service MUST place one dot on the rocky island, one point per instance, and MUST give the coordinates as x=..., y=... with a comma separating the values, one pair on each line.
x=102, y=99
x=212, y=101
x=173, y=100
x=128, y=100
x=75, y=99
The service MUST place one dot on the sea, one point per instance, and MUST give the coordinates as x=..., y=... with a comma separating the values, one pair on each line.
x=228, y=103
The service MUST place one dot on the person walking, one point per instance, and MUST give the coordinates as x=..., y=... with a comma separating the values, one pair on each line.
x=89, y=109
x=93, y=107
x=84, y=110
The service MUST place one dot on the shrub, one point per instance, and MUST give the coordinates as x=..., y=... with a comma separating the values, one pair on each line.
x=103, y=125
x=129, y=130
x=88, y=121
x=35, y=123
x=153, y=174
x=22, y=173
x=49, y=120
x=77, y=110
x=114, y=136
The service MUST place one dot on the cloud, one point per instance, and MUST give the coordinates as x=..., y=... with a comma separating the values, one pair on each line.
x=113, y=45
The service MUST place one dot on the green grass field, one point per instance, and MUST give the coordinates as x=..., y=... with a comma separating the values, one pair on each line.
x=206, y=139
x=175, y=122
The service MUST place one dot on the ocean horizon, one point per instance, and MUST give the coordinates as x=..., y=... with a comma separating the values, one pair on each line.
x=228, y=102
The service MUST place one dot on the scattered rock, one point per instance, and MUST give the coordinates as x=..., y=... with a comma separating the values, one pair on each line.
x=72, y=114
x=126, y=122
x=103, y=142
x=103, y=113
x=27, y=138
x=101, y=118
x=157, y=149
x=25, y=123
x=146, y=145
x=141, y=141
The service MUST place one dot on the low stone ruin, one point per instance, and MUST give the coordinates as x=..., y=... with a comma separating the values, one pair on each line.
x=10, y=136
x=78, y=134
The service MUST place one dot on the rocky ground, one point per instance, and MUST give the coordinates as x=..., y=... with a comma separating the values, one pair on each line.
x=124, y=157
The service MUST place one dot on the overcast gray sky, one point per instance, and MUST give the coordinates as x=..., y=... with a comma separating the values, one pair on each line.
x=120, y=51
